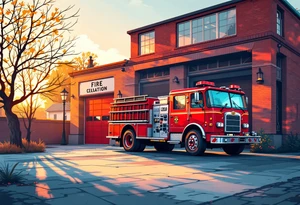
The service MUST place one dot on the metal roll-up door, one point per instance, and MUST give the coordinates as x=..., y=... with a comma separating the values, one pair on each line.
x=154, y=89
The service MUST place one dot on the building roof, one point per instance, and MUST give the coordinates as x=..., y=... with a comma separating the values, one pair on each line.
x=58, y=107
x=227, y=3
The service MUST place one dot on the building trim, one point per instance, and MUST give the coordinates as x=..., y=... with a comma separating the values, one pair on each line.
x=194, y=13
x=235, y=42
x=218, y=6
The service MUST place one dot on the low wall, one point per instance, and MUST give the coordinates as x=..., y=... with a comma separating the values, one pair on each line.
x=50, y=131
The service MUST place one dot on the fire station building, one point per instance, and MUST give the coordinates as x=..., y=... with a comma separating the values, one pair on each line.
x=254, y=44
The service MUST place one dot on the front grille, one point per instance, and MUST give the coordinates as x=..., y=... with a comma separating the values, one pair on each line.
x=232, y=123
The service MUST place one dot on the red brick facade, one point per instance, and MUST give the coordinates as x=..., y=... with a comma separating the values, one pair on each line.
x=256, y=24
x=256, y=33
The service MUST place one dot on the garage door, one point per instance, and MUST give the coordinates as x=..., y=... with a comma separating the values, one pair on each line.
x=96, y=120
x=154, y=89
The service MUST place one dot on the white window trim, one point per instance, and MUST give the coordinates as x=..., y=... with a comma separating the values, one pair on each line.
x=203, y=40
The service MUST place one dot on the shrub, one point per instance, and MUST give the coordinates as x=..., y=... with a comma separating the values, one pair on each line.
x=32, y=146
x=291, y=143
x=8, y=174
x=7, y=148
x=265, y=146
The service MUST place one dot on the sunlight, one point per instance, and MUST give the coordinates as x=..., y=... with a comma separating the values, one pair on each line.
x=42, y=190
x=104, y=189
x=41, y=173
x=135, y=192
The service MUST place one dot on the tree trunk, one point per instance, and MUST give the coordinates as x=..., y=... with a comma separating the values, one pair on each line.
x=28, y=135
x=14, y=127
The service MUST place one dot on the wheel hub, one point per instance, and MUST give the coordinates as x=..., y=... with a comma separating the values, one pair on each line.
x=193, y=142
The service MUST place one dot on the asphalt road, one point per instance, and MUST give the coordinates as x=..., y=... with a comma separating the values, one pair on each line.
x=109, y=175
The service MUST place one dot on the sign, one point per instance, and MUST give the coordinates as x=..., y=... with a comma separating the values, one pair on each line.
x=94, y=87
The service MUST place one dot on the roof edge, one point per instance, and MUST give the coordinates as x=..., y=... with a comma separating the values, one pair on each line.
x=227, y=3
x=291, y=8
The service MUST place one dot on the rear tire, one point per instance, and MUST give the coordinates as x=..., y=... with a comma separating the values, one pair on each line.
x=164, y=147
x=130, y=143
x=233, y=149
x=194, y=143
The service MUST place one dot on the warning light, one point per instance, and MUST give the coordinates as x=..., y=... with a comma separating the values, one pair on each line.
x=205, y=83
x=235, y=87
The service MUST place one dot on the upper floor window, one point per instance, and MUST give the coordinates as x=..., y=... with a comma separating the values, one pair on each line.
x=280, y=22
x=147, y=43
x=207, y=28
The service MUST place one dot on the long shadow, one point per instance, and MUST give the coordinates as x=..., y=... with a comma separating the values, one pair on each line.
x=123, y=177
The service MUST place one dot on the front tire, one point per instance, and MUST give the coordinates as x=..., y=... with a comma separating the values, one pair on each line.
x=194, y=143
x=233, y=149
x=164, y=147
x=130, y=143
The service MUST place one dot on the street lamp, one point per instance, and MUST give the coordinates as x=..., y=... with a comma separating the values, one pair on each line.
x=64, y=95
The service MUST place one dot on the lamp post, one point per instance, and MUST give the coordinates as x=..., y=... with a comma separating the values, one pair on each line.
x=64, y=95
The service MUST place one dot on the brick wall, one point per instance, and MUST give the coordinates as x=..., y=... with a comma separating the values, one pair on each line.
x=50, y=131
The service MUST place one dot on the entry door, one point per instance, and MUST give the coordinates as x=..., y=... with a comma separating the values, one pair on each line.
x=97, y=117
x=178, y=113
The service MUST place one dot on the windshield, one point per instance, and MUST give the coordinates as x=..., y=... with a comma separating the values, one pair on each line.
x=223, y=99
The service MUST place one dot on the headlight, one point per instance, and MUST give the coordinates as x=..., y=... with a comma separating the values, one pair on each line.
x=245, y=125
x=220, y=124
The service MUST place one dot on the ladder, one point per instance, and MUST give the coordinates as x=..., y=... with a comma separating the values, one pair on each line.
x=139, y=98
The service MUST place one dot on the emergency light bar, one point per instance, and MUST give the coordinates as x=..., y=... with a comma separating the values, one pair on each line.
x=205, y=83
x=235, y=87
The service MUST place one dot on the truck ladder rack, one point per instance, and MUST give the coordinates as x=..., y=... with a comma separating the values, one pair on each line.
x=138, y=98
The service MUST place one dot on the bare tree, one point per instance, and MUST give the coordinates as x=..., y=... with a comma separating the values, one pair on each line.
x=33, y=37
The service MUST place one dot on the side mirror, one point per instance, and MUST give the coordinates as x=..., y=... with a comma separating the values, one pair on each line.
x=247, y=100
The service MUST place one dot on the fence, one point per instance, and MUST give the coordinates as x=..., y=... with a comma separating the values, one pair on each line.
x=50, y=131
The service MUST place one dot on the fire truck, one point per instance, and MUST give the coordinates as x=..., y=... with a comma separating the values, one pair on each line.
x=196, y=118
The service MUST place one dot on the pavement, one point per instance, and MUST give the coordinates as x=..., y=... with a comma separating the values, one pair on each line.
x=107, y=175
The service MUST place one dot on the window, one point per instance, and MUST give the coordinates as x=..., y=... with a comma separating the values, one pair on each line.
x=280, y=22
x=197, y=30
x=279, y=64
x=198, y=104
x=227, y=23
x=147, y=43
x=184, y=34
x=55, y=116
x=207, y=28
x=210, y=27
x=179, y=102
x=154, y=73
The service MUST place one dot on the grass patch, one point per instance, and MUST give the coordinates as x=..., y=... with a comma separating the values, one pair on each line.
x=9, y=175
x=29, y=147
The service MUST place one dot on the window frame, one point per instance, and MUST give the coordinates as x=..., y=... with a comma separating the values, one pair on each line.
x=280, y=13
x=215, y=26
x=148, y=44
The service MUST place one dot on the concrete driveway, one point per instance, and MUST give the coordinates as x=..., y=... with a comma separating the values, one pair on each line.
x=108, y=175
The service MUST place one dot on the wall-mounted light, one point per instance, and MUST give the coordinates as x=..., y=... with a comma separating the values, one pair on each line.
x=119, y=94
x=123, y=69
x=73, y=96
x=279, y=45
x=260, y=77
x=176, y=80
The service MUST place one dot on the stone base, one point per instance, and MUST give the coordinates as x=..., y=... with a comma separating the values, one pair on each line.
x=276, y=140
x=75, y=139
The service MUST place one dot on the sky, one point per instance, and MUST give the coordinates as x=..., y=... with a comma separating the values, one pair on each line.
x=103, y=24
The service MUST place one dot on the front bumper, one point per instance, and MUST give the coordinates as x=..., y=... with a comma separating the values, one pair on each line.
x=224, y=139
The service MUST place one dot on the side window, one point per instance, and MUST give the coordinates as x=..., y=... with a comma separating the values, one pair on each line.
x=197, y=104
x=55, y=116
x=179, y=102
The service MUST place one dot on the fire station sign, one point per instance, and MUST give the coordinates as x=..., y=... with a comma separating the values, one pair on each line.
x=100, y=86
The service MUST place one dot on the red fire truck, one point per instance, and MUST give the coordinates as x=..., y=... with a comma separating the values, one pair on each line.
x=197, y=118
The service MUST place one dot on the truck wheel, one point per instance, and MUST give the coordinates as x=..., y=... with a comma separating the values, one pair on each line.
x=142, y=147
x=233, y=149
x=194, y=143
x=164, y=147
x=130, y=143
